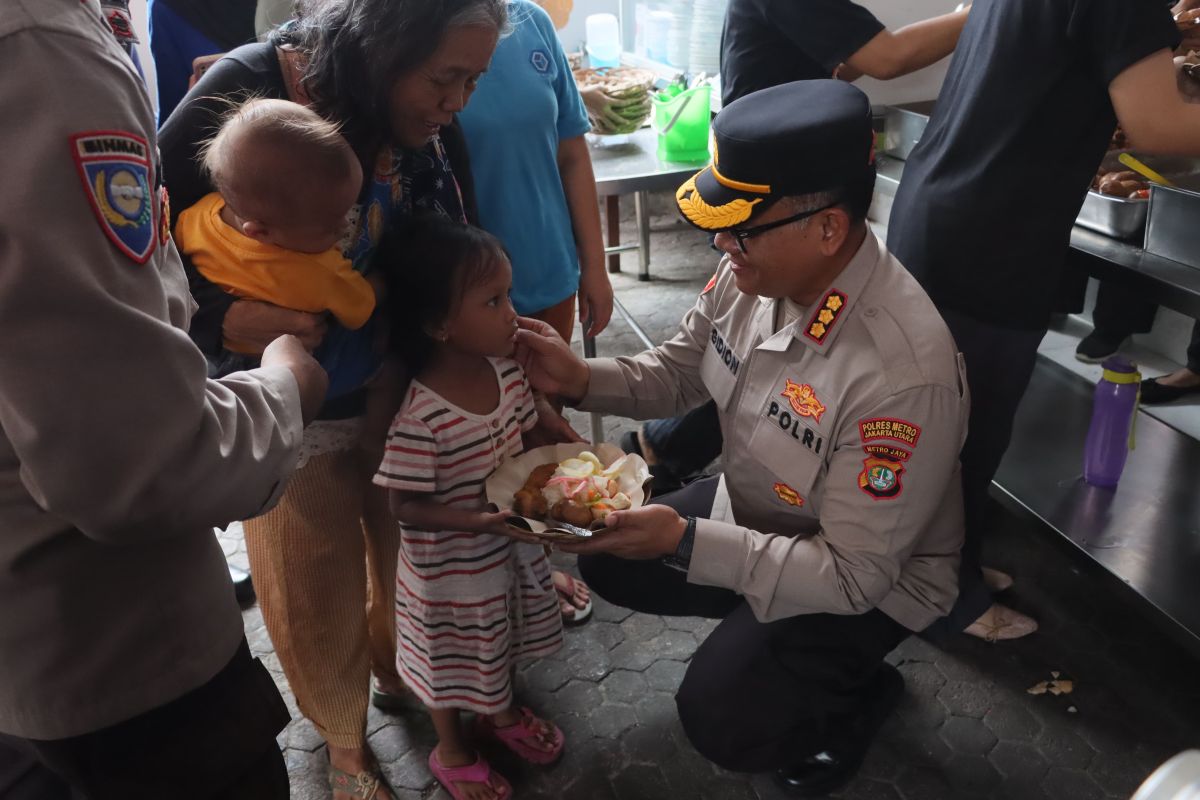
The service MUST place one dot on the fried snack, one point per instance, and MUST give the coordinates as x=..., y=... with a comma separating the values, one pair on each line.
x=528, y=501
x=572, y=513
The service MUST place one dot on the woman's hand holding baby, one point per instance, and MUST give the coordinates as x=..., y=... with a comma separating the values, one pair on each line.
x=258, y=324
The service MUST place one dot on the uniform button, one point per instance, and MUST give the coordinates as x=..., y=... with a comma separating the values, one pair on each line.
x=869, y=312
x=495, y=423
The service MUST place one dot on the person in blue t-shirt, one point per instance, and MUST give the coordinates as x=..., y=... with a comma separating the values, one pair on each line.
x=537, y=194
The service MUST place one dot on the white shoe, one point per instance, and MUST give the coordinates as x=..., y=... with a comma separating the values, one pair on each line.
x=1001, y=623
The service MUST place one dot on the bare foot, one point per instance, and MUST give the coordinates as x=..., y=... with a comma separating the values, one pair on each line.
x=1183, y=378
x=471, y=791
x=648, y=454
x=357, y=761
x=570, y=601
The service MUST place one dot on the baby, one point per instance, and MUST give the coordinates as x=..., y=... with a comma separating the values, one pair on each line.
x=285, y=181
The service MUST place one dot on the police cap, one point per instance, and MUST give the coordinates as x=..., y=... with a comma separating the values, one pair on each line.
x=793, y=139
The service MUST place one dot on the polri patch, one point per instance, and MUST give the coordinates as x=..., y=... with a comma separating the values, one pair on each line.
x=898, y=430
x=825, y=316
x=803, y=399
x=115, y=169
x=788, y=495
x=880, y=478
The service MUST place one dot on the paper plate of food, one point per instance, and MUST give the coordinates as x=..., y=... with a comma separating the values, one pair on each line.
x=562, y=492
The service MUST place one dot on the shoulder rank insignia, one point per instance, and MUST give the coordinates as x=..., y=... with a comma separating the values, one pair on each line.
x=825, y=316
x=788, y=495
x=880, y=478
x=115, y=169
x=803, y=399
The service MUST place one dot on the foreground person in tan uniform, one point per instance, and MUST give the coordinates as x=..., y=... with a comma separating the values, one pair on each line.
x=124, y=671
x=836, y=527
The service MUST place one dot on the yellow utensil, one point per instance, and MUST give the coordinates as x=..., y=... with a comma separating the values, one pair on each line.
x=1140, y=168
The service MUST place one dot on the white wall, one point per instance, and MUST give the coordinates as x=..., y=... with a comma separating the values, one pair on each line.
x=141, y=24
x=922, y=85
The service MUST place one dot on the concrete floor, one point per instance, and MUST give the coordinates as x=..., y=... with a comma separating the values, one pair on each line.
x=966, y=727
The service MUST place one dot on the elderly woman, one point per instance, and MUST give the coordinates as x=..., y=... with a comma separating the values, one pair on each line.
x=393, y=73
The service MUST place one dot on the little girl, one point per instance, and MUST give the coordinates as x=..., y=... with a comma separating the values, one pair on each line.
x=473, y=596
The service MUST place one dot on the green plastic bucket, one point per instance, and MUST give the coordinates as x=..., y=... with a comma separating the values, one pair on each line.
x=681, y=122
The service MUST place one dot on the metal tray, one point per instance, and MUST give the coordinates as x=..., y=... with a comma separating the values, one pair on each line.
x=904, y=126
x=1113, y=216
x=1171, y=229
x=1126, y=219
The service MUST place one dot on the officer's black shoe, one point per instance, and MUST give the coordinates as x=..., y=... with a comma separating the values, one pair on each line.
x=1154, y=392
x=662, y=479
x=243, y=587
x=819, y=774
x=1095, y=347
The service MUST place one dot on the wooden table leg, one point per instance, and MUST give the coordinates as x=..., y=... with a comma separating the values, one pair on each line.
x=612, y=214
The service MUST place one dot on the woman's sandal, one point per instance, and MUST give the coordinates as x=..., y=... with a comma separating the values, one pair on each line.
x=364, y=785
x=520, y=737
x=479, y=772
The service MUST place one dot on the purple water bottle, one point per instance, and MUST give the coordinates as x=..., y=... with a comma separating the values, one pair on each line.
x=1110, y=437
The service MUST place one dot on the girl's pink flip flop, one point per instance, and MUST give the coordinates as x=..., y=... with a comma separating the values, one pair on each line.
x=521, y=737
x=479, y=772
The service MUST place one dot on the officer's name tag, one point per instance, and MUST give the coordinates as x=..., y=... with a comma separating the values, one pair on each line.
x=719, y=367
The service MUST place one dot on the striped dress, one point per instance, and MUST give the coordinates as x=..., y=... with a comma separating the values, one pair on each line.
x=468, y=605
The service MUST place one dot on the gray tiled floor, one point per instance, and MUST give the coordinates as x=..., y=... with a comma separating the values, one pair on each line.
x=966, y=727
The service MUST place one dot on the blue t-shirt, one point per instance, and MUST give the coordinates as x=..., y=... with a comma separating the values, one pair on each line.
x=525, y=104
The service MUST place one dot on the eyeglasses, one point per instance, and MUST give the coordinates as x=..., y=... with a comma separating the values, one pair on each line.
x=748, y=233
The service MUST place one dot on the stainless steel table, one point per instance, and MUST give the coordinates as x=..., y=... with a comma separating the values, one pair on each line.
x=633, y=167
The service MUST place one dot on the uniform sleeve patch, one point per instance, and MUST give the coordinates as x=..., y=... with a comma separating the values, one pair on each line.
x=880, y=478
x=825, y=316
x=898, y=430
x=711, y=283
x=788, y=495
x=888, y=452
x=114, y=167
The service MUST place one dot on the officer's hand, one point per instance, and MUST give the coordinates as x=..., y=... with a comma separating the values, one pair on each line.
x=548, y=362
x=651, y=531
x=257, y=324
x=287, y=352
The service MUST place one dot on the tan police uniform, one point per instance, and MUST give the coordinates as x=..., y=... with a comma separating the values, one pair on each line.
x=842, y=429
x=117, y=455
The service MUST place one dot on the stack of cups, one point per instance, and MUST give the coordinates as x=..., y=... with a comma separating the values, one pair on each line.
x=680, y=35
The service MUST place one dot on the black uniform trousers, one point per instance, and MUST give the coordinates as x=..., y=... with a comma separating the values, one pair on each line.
x=216, y=742
x=756, y=696
x=1000, y=364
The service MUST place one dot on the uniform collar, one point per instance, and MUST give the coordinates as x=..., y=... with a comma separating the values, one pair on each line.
x=822, y=322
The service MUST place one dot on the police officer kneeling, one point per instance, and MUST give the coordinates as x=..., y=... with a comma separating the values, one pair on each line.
x=836, y=527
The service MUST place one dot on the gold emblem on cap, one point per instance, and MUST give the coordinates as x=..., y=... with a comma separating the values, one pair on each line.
x=709, y=217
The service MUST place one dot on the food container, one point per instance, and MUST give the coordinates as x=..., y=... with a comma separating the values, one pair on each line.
x=1122, y=218
x=512, y=474
x=1172, y=228
x=1113, y=216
